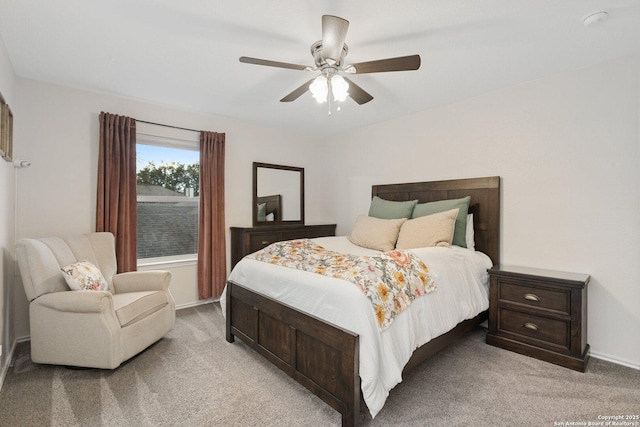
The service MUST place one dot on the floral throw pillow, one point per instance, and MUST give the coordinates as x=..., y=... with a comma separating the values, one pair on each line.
x=84, y=276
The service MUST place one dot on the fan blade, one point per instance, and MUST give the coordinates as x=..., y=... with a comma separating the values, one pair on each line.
x=297, y=92
x=401, y=63
x=357, y=93
x=334, y=32
x=256, y=61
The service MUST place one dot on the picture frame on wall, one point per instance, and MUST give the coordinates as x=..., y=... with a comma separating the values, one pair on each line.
x=6, y=132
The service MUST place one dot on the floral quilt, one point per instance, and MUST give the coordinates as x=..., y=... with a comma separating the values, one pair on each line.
x=391, y=280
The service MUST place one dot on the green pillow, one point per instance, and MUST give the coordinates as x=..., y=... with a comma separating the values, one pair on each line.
x=460, y=231
x=387, y=209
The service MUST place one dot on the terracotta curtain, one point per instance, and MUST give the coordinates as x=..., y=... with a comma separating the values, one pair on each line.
x=212, y=262
x=117, y=209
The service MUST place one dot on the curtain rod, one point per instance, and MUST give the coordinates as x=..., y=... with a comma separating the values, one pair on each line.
x=167, y=126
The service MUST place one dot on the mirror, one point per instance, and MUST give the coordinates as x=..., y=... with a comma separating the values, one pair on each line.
x=278, y=194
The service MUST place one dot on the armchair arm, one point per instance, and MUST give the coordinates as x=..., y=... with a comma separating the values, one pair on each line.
x=77, y=301
x=137, y=281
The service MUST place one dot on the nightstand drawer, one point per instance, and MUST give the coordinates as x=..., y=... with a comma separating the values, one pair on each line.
x=537, y=327
x=262, y=240
x=535, y=296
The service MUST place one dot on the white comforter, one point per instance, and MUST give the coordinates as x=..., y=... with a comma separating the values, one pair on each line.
x=462, y=292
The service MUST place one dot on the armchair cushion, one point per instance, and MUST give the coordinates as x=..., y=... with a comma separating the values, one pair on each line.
x=133, y=306
x=84, y=276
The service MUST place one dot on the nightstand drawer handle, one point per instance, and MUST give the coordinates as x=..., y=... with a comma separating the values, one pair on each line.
x=532, y=297
x=531, y=326
x=265, y=242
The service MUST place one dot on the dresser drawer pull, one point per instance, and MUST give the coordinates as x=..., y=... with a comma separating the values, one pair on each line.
x=531, y=326
x=265, y=242
x=532, y=297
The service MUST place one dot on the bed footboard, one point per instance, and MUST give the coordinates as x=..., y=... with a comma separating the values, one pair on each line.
x=322, y=357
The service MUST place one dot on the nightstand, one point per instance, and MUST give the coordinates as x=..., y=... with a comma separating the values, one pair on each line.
x=540, y=313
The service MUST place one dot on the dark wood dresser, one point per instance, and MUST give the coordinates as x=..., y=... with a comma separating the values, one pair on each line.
x=540, y=313
x=246, y=240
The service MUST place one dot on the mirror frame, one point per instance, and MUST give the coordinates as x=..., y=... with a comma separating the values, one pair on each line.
x=254, y=209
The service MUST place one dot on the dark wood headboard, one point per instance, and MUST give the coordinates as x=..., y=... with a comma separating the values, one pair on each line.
x=273, y=205
x=484, y=204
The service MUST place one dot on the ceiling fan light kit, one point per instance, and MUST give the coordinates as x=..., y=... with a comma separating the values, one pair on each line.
x=329, y=82
x=328, y=56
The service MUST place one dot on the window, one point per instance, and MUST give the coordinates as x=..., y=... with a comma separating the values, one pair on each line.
x=168, y=173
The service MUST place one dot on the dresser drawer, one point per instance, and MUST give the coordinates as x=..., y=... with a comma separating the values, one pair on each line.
x=540, y=328
x=293, y=235
x=535, y=296
x=258, y=241
x=245, y=241
x=319, y=232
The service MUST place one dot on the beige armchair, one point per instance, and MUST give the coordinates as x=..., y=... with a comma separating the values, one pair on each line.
x=98, y=329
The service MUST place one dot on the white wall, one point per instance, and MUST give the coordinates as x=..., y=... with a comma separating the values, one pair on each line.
x=567, y=148
x=57, y=194
x=7, y=206
x=568, y=151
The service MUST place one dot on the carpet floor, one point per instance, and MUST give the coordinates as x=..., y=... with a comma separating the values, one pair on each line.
x=193, y=377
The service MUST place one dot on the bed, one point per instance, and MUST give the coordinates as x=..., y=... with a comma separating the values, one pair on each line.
x=324, y=356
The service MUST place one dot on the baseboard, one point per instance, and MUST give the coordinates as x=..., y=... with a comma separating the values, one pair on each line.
x=615, y=360
x=197, y=303
x=9, y=359
x=5, y=367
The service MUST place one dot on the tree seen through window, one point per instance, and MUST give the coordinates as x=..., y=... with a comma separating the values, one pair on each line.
x=168, y=186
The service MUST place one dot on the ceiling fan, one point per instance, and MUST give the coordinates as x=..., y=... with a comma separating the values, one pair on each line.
x=328, y=56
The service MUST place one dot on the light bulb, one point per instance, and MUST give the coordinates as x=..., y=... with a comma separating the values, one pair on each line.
x=319, y=89
x=339, y=88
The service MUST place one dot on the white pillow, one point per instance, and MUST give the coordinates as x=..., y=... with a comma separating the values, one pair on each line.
x=376, y=233
x=84, y=276
x=470, y=237
x=427, y=231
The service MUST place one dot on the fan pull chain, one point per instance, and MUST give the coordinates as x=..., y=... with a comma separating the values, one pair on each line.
x=330, y=98
x=329, y=95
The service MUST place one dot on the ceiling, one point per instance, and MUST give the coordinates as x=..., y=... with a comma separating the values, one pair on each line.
x=184, y=54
